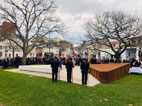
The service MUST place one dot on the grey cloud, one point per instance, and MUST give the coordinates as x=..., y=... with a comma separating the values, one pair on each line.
x=78, y=6
x=94, y=6
x=74, y=11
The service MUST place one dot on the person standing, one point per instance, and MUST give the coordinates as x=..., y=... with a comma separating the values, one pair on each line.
x=69, y=66
x=17, y=61
x=84, y=70
x=66, y=59
x=54, y=66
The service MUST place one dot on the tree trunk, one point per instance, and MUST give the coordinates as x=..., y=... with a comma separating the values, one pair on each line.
x=13, y=54
x=117, y=56
x=24, y=58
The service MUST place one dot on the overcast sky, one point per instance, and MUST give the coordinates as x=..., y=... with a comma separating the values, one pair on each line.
x=75, y=12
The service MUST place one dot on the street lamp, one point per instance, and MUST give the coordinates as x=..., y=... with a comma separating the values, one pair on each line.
x=49, y=42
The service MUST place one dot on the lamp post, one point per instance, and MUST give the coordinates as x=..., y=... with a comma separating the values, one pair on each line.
x=49, y=43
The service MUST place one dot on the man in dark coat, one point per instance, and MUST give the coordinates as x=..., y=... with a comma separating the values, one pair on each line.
x=17, y=61
x=69, y=66
x=4, y=63
x=55, y=65
x=84, y=70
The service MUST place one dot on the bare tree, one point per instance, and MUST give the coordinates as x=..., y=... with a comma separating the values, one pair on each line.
x=83, y=48
x=32, y=19
x=12, y=47
x=113, y=27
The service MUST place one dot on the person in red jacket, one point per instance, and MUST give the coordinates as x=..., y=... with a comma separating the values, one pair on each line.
x=66, y=59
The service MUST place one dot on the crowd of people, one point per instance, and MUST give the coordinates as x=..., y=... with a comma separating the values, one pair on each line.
x=135, y=63
x=47, y=60
x=12, y=62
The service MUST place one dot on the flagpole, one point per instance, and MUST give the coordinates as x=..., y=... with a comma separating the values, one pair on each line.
x=88, y=78
x=89, y=65
x=73, y=60
x=59, y=75
x=72, y=76
x=60, y=63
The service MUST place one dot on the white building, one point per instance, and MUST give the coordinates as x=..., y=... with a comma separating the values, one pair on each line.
x=6, y=50
x=55, y=45
x=52, y=46
x=135, y=51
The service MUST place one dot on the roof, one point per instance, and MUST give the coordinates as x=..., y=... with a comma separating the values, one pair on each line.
x=137, y=37
x=7, y=28
x=115, y=43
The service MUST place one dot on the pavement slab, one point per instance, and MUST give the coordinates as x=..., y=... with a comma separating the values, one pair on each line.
x=62, y=75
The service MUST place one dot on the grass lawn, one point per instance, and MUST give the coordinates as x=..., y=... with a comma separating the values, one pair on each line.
x=24, y=90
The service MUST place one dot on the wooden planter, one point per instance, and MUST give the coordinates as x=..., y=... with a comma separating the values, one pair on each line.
x=106, y=73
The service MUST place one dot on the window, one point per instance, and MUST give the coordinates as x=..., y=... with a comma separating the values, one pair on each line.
x=99, y=53
x=129, y=54
x=17, y=47
x=6, y=51
x=10, y=47
x=5, y=47
x=133, y=41
x=139, y=40
x=5, y=55
x=2, y=38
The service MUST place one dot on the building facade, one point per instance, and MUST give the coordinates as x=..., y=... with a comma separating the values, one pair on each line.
x=6, y=49
x=9, y=49
x=133, y=51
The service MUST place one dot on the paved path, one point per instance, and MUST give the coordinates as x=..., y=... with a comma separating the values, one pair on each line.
x=63, y=75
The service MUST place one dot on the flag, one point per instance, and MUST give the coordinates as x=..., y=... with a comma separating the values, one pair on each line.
x=73, y=57
x=60, y=59
x=89, y=70
x=88, y=55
